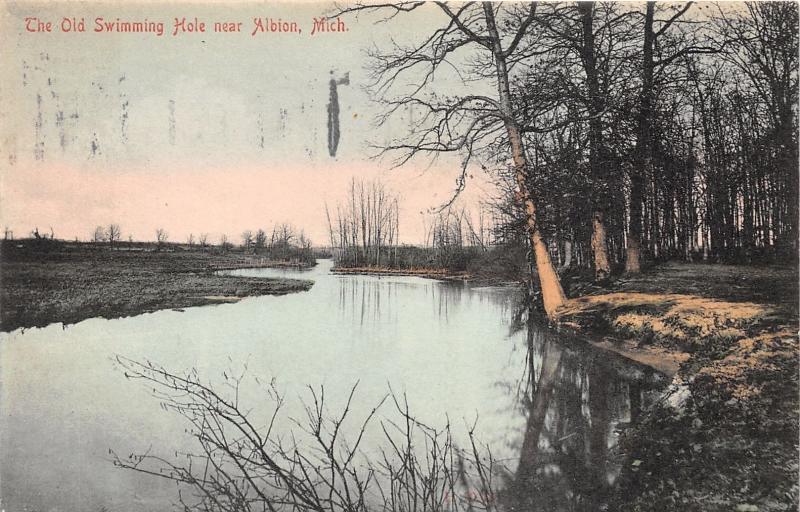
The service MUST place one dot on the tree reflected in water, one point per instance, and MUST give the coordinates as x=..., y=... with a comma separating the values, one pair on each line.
x=576, y=400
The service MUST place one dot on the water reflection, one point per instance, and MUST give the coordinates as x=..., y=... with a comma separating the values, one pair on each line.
x=374, y=299
x=576, y=399
x=573, y=399
x=547, y=407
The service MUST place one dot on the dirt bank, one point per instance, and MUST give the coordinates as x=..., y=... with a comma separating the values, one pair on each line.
x=726, y=435
x=63, y=284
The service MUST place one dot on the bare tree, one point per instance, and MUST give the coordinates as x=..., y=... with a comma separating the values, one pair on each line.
x=662, y=46
x=282, y=240
x=282, y=235
x=260, y=239
x=365, y=226
x=99, y=234
x=223, y=242
x=303, y=242
x=454, y=238
x=245, y=464
x=592, y=46
x=203, y=240
x=113, y=233
x=161, y=237
x=247, y=239
x=190, y=239
x=598, y=156
x=762, y=50
x=495, y=37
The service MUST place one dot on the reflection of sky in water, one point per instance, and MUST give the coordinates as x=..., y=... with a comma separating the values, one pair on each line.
x=449, y=347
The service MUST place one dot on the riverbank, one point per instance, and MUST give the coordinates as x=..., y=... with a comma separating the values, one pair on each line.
x=69, y=284
x=478, y=279
x=726, y=435
x=428, y=273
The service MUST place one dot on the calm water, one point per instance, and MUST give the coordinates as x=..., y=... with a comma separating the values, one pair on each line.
x=549, y=409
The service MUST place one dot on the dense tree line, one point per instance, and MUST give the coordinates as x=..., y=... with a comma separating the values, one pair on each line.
x=696, y=143
x=622, y=133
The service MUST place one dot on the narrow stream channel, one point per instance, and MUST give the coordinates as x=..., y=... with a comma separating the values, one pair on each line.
x=549, y=409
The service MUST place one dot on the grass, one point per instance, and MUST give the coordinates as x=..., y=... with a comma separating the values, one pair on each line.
x=44, y=284
x=672, y=320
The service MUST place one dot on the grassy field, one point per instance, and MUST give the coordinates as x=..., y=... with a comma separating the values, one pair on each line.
x=48, y=282
x=726, y=437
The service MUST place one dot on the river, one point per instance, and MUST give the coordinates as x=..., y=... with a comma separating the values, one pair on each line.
x=549, y=409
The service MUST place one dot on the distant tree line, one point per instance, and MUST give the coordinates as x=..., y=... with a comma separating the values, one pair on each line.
x=283, y=242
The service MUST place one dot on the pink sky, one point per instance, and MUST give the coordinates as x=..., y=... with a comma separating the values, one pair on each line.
x=73, y=201
x=200, y=133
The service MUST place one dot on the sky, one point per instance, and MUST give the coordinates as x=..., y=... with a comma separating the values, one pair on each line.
x=198, y=132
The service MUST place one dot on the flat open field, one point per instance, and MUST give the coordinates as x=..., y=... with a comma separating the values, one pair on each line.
x=54, y=282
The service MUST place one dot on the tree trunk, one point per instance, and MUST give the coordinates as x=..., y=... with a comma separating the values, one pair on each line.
x=642, y=154
x=633, y=255
x=601, y=265
x=597, y=159
x=552, y=292
x=567, y=255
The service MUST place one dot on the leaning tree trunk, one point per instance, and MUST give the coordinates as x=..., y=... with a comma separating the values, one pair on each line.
x=552, y=292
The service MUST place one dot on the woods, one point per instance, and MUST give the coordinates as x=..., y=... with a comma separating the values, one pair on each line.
x=624, y=134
